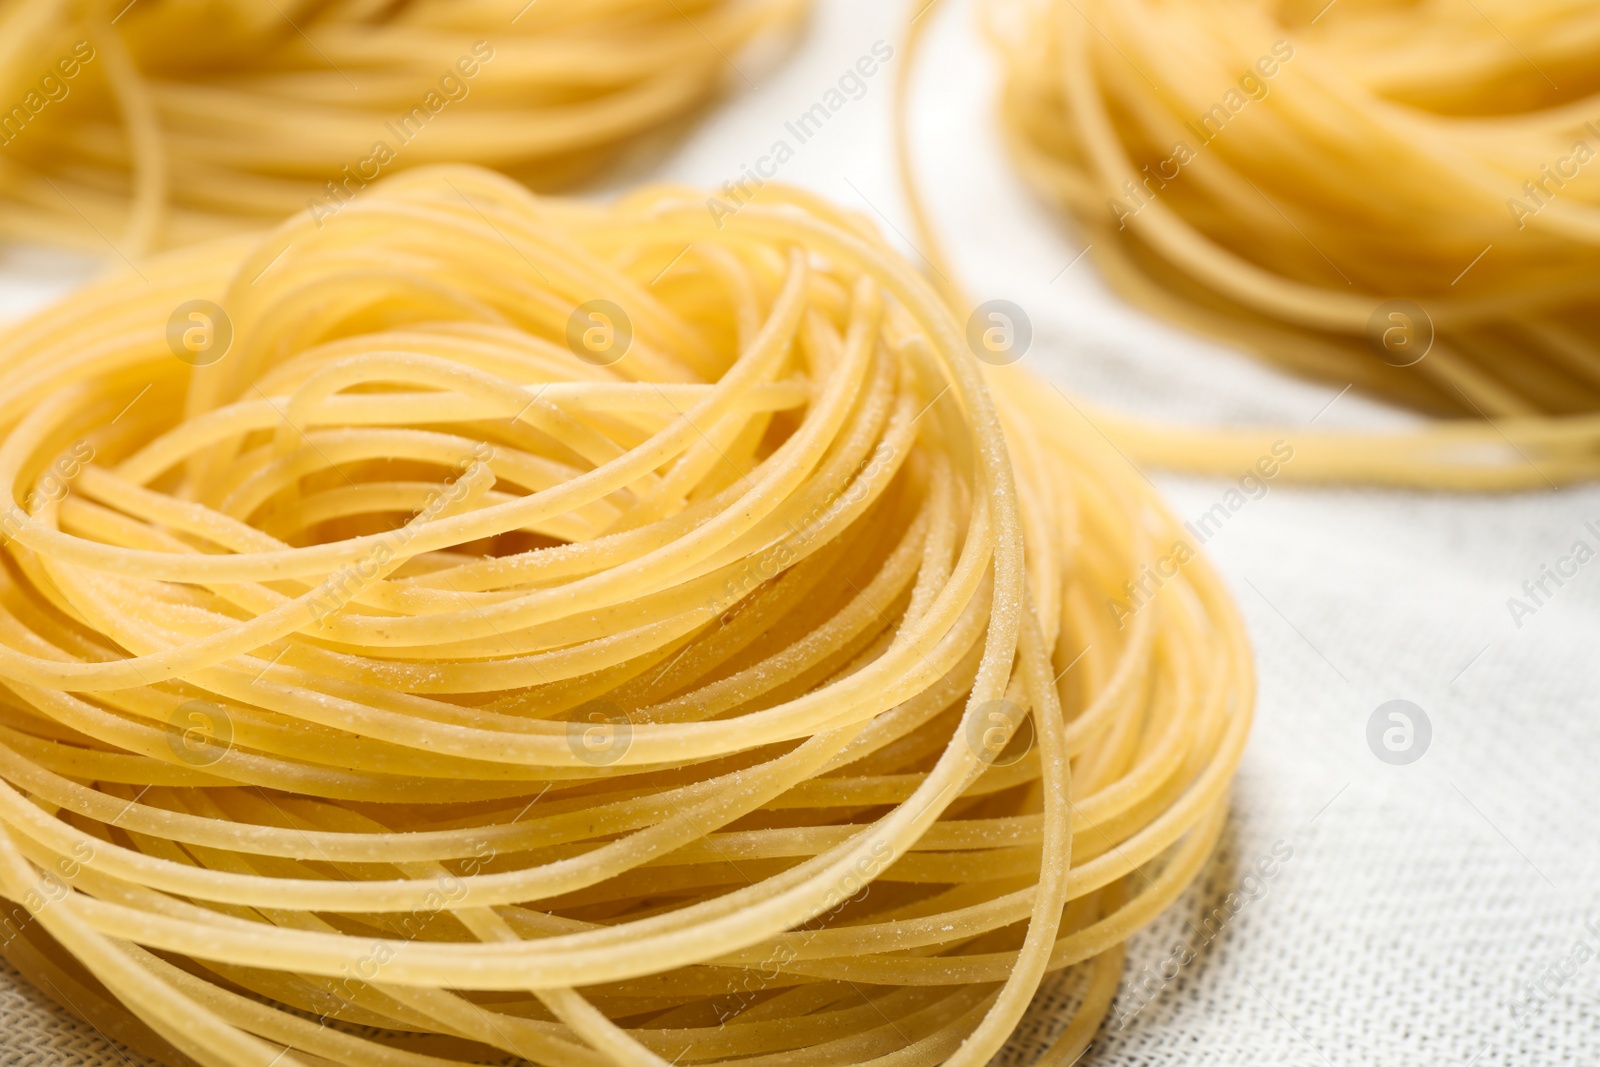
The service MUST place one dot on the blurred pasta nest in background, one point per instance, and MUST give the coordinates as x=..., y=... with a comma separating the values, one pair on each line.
x=160, y=122
x=1405, y=196
x=486, y=624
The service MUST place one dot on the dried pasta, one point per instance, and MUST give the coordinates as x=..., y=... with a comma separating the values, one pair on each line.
x=490, y=625
x=1396, y=197
x=161, y=122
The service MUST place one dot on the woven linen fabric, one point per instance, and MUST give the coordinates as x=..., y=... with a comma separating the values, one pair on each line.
x=1431, y=913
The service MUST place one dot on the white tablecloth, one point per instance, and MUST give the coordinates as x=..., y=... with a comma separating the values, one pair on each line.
x=1419, y=904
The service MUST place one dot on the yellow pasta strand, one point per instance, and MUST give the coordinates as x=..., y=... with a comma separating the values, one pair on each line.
x=1399, y=197
x=492, y=625
x=162, y=122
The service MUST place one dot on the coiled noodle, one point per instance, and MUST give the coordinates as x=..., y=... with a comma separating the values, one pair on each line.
x=1399, y=197
x=400, y=673
x=161, y=122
